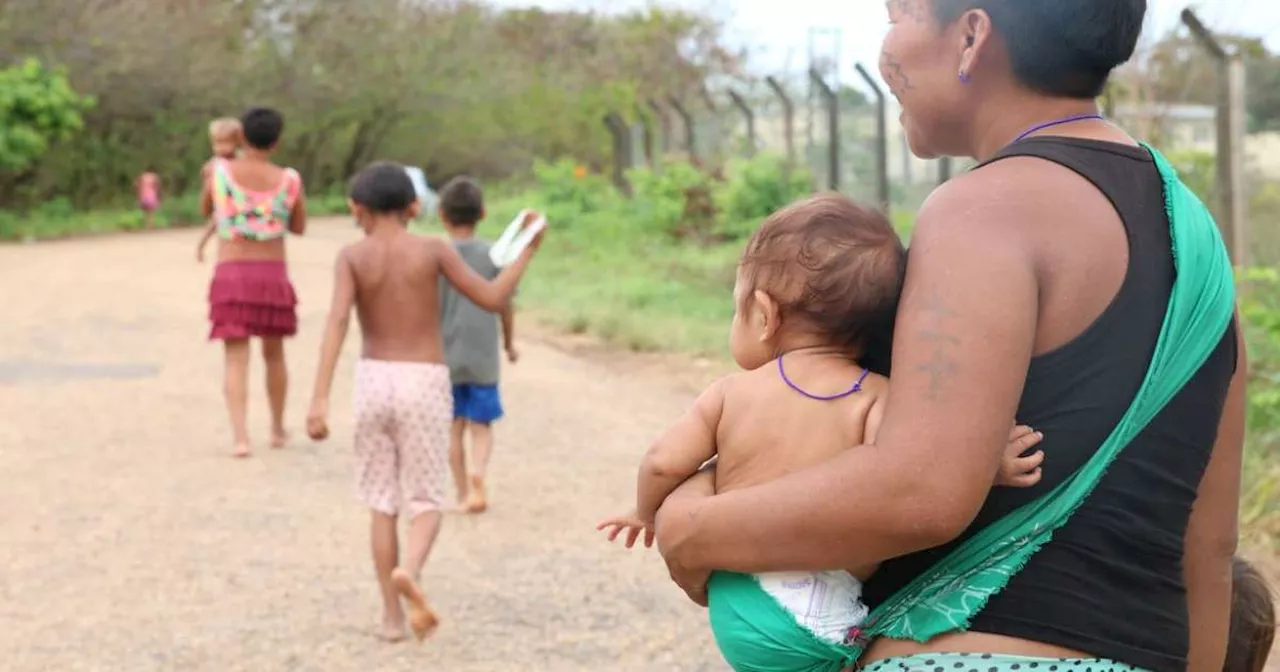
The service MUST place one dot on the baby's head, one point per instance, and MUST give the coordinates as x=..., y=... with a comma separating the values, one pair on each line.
x=1253, y=620
x=382, y=190
x=821, y=272
x=225, y=135
x=262, y=128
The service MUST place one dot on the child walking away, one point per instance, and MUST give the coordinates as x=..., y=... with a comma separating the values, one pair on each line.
x=148, y=186
x=225, y=137
x=1253, y=620
x=403, y=402
x=471, y=347
x=254, y=203
x=816, y=282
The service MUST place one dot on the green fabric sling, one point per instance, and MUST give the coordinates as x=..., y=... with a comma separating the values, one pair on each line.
x=757, y=634
x=947, y=596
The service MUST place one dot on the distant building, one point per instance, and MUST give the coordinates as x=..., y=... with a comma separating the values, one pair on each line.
x=1173, y=126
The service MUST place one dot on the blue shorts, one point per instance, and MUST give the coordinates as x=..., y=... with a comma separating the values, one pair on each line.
x=477, y=403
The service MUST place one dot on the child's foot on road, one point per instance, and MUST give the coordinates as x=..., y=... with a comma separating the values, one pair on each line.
x=241, y=450
x=422, y=619
x=279, y=438
x=476, y=500
x=392, y=630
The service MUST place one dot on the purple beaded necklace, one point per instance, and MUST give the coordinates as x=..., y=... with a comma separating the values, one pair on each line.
x=1050, y=124
x=857, y=386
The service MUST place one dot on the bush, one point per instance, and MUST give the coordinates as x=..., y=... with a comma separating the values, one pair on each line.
x=567, y=190
x=756, y=188
x=675, y=200
x=37, y=108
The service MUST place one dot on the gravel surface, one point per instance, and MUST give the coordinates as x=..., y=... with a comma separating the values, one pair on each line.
x=132, y=542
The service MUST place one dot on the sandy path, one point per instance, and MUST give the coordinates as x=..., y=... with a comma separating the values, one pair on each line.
x=131, y=542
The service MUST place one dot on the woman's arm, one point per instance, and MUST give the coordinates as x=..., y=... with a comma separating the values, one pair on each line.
x=298, y=215
x=206, y=198
x=1212, y=530
x=963, y=340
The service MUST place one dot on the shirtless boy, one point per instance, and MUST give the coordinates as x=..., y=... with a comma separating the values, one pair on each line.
x=403, y=403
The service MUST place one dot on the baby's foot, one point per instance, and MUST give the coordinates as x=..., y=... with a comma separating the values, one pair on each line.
x=477, y=502
x=392, y=630
x=422, y=619
x=241, y=449
x=279, y=438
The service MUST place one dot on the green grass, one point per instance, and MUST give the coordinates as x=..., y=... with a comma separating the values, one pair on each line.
x=58, y=219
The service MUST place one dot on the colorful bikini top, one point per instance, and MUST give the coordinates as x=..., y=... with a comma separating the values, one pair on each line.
x=252, y=215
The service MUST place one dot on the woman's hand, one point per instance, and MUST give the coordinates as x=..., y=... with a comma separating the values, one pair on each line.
x=674, y=527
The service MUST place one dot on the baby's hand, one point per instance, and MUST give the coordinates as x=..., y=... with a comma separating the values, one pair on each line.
x=1017, y=470
x=630, y=522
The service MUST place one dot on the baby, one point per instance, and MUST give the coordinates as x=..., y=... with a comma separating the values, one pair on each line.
x=817, y=281
x=225, y=137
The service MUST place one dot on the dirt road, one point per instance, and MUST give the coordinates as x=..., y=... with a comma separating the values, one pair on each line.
x=131, y=541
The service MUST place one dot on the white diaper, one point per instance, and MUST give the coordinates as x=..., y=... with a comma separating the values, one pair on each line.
x=827, y=604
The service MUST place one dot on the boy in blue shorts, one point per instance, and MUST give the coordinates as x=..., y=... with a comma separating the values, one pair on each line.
x=471, y=347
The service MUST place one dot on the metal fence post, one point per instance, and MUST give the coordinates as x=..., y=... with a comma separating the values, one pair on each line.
x=664, y=127
x=747, y=115
x=690, y=134
x=882, y=140
x=621, y=150
x=645, y=119
x=788, y=117
x=833, y=128
x=1230, y=144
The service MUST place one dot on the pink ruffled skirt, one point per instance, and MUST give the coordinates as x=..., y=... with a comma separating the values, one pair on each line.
x=252, y=299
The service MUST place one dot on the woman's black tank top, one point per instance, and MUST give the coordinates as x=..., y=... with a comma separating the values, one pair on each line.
x=1110, y=582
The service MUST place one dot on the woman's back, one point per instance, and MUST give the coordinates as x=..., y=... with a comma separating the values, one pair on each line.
x=1110, y=583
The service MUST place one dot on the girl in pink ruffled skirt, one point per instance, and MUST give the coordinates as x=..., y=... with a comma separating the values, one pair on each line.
x=254, y=203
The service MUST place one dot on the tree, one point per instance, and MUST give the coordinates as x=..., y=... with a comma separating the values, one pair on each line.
x=37, y=108
x=1177, y=69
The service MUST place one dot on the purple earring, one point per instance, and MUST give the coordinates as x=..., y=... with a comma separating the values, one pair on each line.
x=965, y=78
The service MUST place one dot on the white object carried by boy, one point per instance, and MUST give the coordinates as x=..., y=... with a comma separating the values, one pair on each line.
x=516, y=238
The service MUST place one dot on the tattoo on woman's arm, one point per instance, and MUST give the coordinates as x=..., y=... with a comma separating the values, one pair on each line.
x=941, y=365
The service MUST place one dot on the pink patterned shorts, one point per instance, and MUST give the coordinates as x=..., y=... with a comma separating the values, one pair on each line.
x=403, y=412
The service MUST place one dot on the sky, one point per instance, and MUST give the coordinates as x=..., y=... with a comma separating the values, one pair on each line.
x=776, y=33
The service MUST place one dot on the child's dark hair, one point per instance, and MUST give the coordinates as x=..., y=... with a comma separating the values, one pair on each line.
x=263, y=127
x=462, y=202
x=384, y=188
x=1253, y=619
x=832, y=265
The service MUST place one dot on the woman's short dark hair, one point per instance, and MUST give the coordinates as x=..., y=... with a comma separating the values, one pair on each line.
x=1064, y=48
x=263, y=127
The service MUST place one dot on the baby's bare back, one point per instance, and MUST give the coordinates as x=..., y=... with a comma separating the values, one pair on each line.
x=768, y=430
x=397, y=297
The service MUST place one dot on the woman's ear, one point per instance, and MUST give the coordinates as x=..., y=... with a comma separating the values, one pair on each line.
x=975, y=35
x=768, y=315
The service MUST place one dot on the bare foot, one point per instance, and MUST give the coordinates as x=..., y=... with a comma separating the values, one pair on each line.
x=392, y=632
x=241, y=450
x=422, y=619
x=476, y=500
x=279, y=438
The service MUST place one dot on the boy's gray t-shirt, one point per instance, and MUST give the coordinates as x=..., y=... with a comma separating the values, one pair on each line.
x=470, y=333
